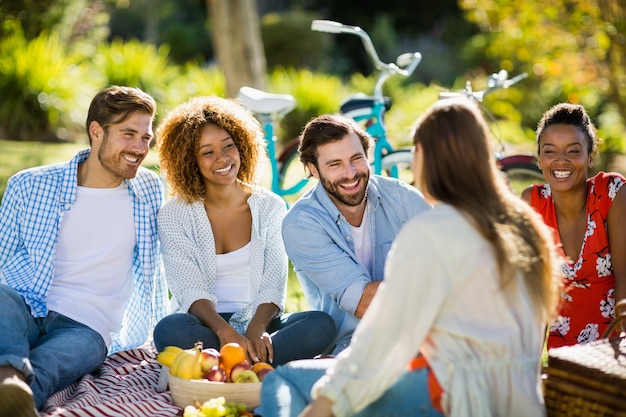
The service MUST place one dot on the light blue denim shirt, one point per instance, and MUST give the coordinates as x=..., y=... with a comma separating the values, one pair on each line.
x=318, y=240
x=31, y=213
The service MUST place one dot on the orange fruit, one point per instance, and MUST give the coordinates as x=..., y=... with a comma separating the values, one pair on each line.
x=261, y=365
x=231, y=354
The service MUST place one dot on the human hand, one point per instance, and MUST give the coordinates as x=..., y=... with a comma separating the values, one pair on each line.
x=263, y=347
x=243, y=341
x=320, y=407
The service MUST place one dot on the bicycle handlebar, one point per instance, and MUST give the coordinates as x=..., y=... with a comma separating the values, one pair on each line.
x=405, y=64
x=496, y=81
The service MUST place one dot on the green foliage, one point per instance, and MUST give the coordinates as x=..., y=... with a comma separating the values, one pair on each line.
x=573, y=50
x=193, y=81
x=38, y=85
x=136, y=64
x=279, y=30
x=182, y=24
x=315, y=94
x=35, y=16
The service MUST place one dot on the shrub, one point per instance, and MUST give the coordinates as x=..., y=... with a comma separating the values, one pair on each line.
x=315, y=94
x=136, y=64
x=193, y=81
x=39, y=86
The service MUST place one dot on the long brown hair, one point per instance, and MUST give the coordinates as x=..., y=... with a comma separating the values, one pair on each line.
x=459, y=169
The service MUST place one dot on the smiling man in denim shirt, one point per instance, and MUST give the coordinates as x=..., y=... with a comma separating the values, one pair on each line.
x=338, y=234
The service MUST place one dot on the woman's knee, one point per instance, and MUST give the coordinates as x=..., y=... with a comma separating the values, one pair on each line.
x=168, y=330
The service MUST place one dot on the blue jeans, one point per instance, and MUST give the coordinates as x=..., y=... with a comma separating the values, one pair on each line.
x=51, y=352
x=294, y=335
x=287, y=390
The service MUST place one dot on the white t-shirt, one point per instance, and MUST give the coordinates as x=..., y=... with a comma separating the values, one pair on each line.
x=232, y=285
x=363, y=242
x=94, y=255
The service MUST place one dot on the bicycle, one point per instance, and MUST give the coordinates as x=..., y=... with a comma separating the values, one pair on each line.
x=270, y=108
x=371, y=109
x=287, y=179
x=521, y=169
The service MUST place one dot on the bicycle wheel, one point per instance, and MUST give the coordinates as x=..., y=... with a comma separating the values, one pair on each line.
x=398, y=164
x=293, y=177
x=521, y=174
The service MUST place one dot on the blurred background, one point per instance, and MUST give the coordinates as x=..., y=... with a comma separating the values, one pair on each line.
x=56, y=54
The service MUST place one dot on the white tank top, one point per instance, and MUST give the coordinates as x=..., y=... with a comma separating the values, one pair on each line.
x=93, y=277
x=232, y=286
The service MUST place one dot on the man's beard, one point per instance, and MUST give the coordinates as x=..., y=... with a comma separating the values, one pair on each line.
x=110, y=163
x=335, y=191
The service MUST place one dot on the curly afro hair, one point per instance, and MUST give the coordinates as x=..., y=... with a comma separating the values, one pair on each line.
x=179, y=133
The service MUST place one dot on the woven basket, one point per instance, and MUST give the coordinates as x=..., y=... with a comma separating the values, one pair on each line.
x=186, y=392
x=588, y=380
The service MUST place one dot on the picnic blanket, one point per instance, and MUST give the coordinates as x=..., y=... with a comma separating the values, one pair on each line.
x=125, y=386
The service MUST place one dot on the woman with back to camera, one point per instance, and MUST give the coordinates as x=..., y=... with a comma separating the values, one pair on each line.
x=469, y=288
x=587, y=216
x=225, y=262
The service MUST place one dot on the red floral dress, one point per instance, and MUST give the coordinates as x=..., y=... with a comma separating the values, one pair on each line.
x=589, y=296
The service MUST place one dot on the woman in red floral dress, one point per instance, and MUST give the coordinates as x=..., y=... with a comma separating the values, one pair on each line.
x=588, y=216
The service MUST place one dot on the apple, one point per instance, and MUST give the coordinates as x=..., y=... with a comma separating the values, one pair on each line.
x=216, y=374
x=246, y=375
x=209, y=357
x=238, y=368
x=262, y=373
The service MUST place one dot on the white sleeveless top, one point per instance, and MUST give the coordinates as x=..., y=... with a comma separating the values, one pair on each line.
x=93, y=276
x=232, y=285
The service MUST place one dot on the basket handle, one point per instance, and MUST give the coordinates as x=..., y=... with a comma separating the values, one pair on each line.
x=620, y=315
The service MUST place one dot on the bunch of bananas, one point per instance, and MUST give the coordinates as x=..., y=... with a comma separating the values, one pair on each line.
x=167, y=355
x=183, y=363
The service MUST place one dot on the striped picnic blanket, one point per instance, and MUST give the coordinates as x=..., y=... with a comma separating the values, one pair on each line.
x=125, y=386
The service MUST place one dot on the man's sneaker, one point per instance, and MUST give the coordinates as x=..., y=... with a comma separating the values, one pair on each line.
x=16, y=399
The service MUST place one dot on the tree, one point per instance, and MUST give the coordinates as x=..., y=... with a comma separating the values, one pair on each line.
x=576, y=48
x=237, y=43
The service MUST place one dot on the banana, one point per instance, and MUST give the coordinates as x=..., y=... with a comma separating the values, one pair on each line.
x=186, y=364
x=167, y=355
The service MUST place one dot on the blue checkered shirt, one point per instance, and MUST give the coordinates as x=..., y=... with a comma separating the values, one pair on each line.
x=31, y=213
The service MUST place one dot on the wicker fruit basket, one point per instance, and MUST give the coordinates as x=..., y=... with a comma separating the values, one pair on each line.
x=589, y=380
x=185, y=392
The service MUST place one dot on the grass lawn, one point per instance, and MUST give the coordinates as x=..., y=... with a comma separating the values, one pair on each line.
x=15, y=156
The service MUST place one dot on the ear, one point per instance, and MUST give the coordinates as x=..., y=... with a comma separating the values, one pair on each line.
x=95, y=131
x=590, y=161
x=313, y=170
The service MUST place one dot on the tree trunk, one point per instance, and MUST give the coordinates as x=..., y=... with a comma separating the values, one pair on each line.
x=238, y=44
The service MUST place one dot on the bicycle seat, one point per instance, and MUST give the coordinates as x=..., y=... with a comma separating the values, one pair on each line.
x=261, y=102
x=360, y=105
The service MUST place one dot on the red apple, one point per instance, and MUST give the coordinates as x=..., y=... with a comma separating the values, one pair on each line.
x=261, y=373
x=216, y=374
x=209, y=357
x=238, y=368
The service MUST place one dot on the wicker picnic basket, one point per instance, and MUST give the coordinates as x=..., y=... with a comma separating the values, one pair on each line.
x=589, y=379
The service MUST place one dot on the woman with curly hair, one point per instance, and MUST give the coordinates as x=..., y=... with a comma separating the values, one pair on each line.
x=225, y=262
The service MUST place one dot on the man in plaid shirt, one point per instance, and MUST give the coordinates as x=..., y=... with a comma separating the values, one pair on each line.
x=79, y=256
